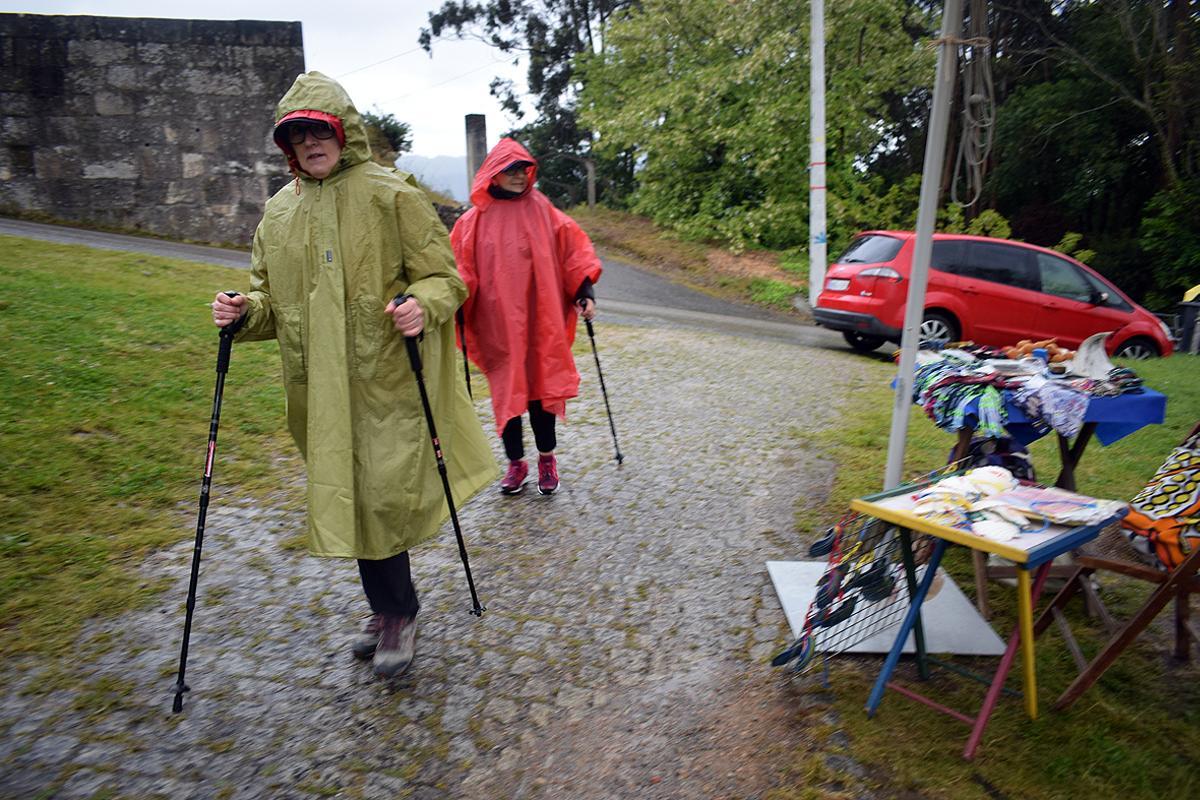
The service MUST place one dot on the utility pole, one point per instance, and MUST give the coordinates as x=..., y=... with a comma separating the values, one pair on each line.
x=931, y=179
x=476, y=145
x=817, y=257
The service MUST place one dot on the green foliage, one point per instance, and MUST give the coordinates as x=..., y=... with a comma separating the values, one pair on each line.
x=990, y=223
x=1069, y=245
x=389, y=137
x=1170, y=233
x=715, y=106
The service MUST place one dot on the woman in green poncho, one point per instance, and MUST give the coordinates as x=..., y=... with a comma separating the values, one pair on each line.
x=333, y=248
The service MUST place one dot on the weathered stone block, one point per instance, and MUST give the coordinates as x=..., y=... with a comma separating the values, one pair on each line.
x=192, y=165
x=110, y=104
x=98, y=53
x=110, y=169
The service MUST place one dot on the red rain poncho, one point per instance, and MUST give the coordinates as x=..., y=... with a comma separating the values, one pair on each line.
x=523, y=261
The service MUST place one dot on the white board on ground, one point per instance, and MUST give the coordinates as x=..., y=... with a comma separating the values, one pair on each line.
x=951, y=622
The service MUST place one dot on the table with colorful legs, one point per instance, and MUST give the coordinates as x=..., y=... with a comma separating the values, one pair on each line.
x=1032, y=553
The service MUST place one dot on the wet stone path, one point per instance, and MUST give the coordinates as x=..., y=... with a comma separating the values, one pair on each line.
x=623, y=653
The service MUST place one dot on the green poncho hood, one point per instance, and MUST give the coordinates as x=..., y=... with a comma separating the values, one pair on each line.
x=319, y=97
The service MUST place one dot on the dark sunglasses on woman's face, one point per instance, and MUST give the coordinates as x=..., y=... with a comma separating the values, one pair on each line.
x=515, y=170
x=297, y=131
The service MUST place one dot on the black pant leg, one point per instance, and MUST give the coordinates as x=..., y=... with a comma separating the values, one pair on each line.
x=542, y=423
x=514, y=444
x=388, y=585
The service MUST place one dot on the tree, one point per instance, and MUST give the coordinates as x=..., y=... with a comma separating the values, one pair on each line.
x=550, y=34
x=388, y=137
x=711, y=97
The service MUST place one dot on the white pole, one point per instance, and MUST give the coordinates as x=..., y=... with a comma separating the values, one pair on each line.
x=816, y=167
x=931, y=177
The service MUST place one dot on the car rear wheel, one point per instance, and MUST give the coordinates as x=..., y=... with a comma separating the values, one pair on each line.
x=1139, y=349
x=861, y=341
x=938, y=325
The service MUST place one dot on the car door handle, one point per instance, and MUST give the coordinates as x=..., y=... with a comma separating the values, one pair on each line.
x=969, y=290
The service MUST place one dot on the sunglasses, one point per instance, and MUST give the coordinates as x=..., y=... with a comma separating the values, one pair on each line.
x=516, y=169
x=298, y=131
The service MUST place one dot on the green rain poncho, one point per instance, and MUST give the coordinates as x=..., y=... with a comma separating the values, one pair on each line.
x=328, y=256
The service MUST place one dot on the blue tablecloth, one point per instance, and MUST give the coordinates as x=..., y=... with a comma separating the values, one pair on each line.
x=1115, y=417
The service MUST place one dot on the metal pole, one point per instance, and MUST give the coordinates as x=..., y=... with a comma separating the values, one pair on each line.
x=476, y=145
x=931, y=175
x=591, y=181
x=817, y=257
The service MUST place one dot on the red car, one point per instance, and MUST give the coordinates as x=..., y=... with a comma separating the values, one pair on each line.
x=989, y=291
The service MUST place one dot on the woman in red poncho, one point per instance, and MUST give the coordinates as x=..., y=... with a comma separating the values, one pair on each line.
x=528, y=268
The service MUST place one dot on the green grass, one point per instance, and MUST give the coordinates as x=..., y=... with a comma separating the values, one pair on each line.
x=108, y=382
x=1136, y=734
x=772, y=293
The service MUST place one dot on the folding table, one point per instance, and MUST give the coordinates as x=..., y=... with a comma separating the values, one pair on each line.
x=1030, y=552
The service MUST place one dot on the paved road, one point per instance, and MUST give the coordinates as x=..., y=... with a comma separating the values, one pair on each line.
x=623, y=655
x=628, y=295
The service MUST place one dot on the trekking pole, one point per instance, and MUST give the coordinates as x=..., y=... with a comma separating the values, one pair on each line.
x=600, y=372
x=462, y=330
x=223, y=352
x=414, y=358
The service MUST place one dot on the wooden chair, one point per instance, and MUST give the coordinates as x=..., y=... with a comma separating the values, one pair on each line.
x=1113, y=552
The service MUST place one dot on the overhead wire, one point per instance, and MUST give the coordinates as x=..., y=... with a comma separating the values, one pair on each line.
x=377, y=63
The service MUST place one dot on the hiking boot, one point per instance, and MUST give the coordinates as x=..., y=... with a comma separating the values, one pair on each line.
x=397, y=643
x=547, y=474
x=363, y=646
x=514, y=479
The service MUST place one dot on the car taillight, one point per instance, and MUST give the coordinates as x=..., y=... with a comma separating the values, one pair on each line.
x=881, y=272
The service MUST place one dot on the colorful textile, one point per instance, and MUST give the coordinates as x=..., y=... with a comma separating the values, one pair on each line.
x=1166, y=513
x=950, y=395
x=1052, y=405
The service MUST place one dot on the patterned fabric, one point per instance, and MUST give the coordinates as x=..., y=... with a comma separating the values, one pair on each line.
x=1166, y=514
x=1050, y=403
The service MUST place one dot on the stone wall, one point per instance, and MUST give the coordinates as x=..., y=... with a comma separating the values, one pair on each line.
x=153, y=125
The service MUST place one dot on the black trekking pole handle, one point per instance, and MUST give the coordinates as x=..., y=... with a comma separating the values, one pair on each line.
x=226, y=335
x=414, y=359
x=223, y=352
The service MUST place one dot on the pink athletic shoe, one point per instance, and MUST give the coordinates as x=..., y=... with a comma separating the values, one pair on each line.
x=514, y=480
x=547, y=474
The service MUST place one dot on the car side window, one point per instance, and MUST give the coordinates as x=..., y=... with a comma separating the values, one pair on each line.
x=1062, y=279
x=1111, y=299
x=1002, y=263
x=949, y=257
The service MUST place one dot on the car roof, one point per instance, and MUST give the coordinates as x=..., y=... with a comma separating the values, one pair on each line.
x=970, y=237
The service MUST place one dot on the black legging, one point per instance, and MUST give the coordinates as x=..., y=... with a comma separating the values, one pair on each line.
x=388, y=585
x=542, y=423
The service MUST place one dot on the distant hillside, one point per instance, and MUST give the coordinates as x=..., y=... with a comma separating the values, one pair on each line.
x=446, y=174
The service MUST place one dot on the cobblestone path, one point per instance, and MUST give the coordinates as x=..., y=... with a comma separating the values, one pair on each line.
x=623, y=653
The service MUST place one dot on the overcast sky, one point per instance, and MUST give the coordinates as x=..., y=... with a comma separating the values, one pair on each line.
x=370, y=48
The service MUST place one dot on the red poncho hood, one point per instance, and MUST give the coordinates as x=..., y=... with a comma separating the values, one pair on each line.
x=502, y=155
